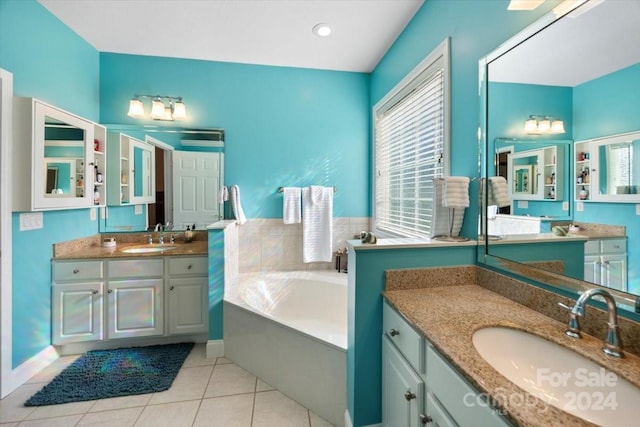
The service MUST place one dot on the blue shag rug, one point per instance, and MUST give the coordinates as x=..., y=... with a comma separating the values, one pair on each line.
x=100, y=374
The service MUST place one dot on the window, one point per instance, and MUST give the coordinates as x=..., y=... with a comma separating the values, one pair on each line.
x=411, y=138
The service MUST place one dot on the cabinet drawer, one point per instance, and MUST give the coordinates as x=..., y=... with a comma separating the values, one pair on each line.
x=77, y=270
x=450, y=388
x=136, y=268
x=188, y=266
x=406, y=339
x=592, y=247
x=614, y=246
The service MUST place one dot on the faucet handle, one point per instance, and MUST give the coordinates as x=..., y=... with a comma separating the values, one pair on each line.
x=565, y=306
x=149, y=238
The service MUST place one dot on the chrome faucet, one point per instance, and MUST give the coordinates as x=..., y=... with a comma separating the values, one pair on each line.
x=158, y=227
x=161, y=239
x=149, y=239
x=612, y=342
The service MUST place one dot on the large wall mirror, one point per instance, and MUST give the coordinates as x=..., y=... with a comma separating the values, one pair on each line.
x=579, y=64
x=169, y=144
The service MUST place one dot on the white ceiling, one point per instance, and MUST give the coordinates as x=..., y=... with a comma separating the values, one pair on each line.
x=267, y=32
x=596, y=39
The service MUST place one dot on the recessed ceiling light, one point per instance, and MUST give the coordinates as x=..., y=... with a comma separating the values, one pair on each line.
x=322, y=30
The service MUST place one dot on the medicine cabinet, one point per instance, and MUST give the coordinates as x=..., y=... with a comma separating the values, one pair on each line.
x=58, y=158
x=608, y=169
x=132, y=174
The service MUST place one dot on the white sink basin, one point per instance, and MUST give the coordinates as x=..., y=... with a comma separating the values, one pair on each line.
x=148, y=249
x=559, y=376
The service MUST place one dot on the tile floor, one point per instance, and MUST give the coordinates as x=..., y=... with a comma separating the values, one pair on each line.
x=207, y=392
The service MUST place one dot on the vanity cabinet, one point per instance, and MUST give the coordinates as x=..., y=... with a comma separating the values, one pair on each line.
x=420, y=387
x=187, y=295
x=536, y=174
x=605, y=263
x=58, y=158
x=102, y=299
x=132, y=174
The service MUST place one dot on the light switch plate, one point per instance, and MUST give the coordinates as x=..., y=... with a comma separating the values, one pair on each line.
x=580, y=206
x=30, y=221
x=523, y=204
x=638, y=209
x=565, y=206
x=138, y=210
x=92, y=214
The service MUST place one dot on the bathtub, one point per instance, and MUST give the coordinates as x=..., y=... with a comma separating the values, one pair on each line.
x=290, y=330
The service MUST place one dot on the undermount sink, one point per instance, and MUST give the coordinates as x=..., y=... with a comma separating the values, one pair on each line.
x=559, y=376
x=148, y=249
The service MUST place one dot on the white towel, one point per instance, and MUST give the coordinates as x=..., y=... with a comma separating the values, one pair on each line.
x=291, y=207
x=445, y=221
x=236, y=205
x=317, y=224
x=224, y=194
x=498, y=192
x=455, y=192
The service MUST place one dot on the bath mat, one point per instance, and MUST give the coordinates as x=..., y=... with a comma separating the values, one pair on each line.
x=99, y=374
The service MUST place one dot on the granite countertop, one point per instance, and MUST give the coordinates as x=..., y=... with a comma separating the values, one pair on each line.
x=448, y=316
x=97, y=251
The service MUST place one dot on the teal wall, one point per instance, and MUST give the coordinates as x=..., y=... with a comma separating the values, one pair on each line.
x=216, y=273
x=283, y=126
x=51, y=63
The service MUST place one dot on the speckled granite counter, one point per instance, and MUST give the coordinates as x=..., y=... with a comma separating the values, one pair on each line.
x=90, y=247
x=449, y=315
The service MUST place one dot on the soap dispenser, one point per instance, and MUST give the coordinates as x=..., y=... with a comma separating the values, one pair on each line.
x=188, y=235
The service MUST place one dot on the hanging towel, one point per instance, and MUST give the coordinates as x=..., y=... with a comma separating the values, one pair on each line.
x=445, y=221
x=317, y=224
x=498, y=192
x=224, y=194
x=455, y=192
x=291, y=207
x=236, y=205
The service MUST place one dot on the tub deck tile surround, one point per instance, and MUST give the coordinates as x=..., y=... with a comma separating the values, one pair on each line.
x=449, y=315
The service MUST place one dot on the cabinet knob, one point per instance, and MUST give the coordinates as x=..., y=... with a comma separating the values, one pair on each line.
x=189, y=267
x=425, y=419
x=606, y=263
x=171, y=288
x=76, y=271
x=394, y=332
x=409, y=396
x=110, y=291
x=95, y=292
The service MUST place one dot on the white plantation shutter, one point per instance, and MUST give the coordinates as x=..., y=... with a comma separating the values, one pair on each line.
x=411, y=145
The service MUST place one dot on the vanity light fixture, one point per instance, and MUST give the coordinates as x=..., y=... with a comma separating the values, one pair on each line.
x=322, y=30
x=543, y=125
x=167, y=108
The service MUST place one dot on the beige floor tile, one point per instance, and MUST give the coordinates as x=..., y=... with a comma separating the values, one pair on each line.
x=274, y=409
x=121, y=402
x=177, y=414
x=61, y=410
x=198, y=357
x=316, y=421
x=229, y=379
x=190, y=384
x=227, y=411
x=68, y=421
x=223, y=361
x=262, y=386
x=8, y=424
x=118, y=417
x=12, y=407
x=51, y=371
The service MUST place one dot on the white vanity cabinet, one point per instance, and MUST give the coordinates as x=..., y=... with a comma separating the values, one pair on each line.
x=132, y=173
x=135, y=298
x=58, y=158
x=78, y=300
x=605, y=262
x=187, y=296
x=419, y=387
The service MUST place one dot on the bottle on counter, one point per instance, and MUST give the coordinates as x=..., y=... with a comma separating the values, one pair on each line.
x=188, y=235
x=96, y=196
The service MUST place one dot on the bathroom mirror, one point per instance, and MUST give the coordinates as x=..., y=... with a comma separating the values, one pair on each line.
x=63, y=160
x=155, y=177
x=579, y=63
x=615, y=170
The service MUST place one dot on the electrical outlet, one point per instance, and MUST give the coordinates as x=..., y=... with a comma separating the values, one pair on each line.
x=30, y=221
x=579, y=206
x=523, y=204
x=92, y=214
x=638, y=209
x=565, y=206
x=104, y=212
x=138, y=210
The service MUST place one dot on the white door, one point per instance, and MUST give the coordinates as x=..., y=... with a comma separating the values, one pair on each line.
x=197, y=179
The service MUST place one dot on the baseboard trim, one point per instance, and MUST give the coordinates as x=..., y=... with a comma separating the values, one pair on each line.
x=215, y=348
x=22, y=373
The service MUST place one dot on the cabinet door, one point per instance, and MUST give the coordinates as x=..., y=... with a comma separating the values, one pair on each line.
x=187, y=312
x=77, y=312
x=437, y=416
x=135, y=308
x=614, y=272
x=402, y=389
x=592, y=269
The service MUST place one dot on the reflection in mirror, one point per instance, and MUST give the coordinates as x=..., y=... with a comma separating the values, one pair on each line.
x=589, y=79
x=64, y=159
x=155, y=175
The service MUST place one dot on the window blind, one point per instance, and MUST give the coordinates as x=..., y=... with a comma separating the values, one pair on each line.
x=409, y=153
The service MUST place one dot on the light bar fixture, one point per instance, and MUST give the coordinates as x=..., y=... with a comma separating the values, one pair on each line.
x=167, y=108
x=543, y=125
